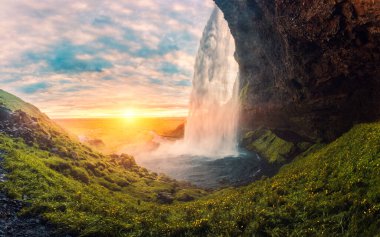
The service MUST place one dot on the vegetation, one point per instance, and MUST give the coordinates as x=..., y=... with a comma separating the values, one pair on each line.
x=87, y=194
x=14, y=103
x=244, y=92
x=330, y=190
x=333, y=191
x=271, y=147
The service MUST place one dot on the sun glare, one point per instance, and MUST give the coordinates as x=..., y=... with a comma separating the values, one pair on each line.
x=129, y=114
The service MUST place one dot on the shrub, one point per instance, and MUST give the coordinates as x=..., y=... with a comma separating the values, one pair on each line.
x=80, y=175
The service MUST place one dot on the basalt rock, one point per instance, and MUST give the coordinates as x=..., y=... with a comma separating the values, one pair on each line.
x=309, y=67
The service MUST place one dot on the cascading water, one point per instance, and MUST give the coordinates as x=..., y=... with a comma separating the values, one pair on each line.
x=211, y=128
x=208, y=155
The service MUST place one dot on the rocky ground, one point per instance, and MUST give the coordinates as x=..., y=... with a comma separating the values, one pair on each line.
x=11, y=224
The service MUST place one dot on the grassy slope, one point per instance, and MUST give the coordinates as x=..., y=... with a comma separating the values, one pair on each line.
x=80, y=190
x=80, y=195
x=14, y=103
x=332, y=191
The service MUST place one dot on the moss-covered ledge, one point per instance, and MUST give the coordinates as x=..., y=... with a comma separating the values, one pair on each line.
x=274, y=149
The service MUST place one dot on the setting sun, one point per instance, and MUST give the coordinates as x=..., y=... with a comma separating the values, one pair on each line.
x=129, y=113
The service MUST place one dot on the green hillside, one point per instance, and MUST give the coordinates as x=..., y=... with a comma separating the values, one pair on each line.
x=14, y=103
x=331, y=190
x=71, y=185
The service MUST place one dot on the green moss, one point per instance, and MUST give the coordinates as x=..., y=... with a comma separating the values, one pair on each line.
x=269, y=146
x=303, y=146
x=244, y=92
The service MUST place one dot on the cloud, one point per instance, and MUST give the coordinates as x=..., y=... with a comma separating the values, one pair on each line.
x=63, y=82
x=77, y=88
x=95, y=58
x=102, y=21
x=156, y=81
x=169, y=68
x=66, y=58
x=112, y=43
x=35, y=87
x=183, y=83
x=108, y=78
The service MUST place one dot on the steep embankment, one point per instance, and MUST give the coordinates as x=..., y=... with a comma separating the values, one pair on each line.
x=308, y=67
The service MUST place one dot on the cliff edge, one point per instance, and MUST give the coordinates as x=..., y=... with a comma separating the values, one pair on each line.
x=308, y=67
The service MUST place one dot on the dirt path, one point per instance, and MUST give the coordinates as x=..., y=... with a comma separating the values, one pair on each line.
x=13, y=225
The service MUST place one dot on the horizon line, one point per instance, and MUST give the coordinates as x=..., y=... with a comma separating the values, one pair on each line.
x=121, y=117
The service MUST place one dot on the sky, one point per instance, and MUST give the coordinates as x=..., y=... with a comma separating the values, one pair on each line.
x=101, y=58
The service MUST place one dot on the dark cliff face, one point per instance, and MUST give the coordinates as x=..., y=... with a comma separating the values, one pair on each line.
x=310, y=67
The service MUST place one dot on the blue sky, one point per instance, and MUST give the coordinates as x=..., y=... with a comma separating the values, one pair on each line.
x=101, y=58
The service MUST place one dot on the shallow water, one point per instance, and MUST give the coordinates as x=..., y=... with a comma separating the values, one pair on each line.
x=209, y=172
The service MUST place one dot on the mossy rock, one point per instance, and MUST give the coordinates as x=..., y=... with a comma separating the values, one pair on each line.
x=271, y=147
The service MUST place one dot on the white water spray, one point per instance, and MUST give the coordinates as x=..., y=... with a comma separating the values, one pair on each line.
x=211, y=128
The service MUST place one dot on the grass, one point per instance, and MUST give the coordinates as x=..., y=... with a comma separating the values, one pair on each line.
x=331, y=190
x=14, y=103
x=90, y=194
x=334, y=191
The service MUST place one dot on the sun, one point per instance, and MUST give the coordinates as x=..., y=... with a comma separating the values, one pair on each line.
x=129, y=114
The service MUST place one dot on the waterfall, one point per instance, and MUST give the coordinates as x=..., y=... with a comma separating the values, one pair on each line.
x=211, y=128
